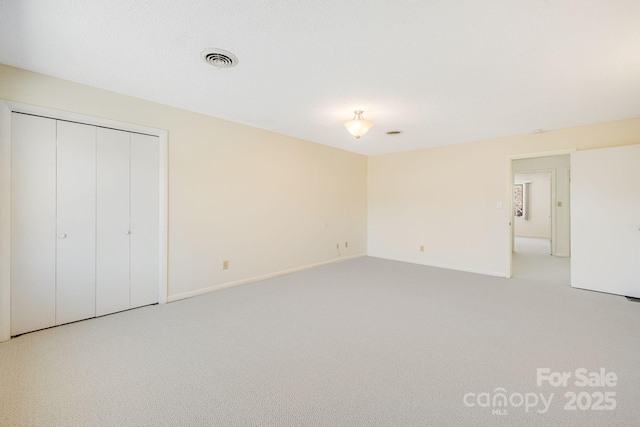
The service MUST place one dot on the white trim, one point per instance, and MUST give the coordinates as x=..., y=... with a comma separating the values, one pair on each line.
x=222, y=286
x=163, y=202
x=8, y=107
x=5, y=222
x=35, y=110
x=568, y=205
x=510, y=218
x=509, y=213
x=446, y=267
x=532, y=236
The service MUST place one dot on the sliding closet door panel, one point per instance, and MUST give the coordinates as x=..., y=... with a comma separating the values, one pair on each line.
x=112, y=250
x=33, y=223
x=76, y=208
x=145, y=244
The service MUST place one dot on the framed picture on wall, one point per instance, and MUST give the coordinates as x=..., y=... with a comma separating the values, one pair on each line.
x=518, y=200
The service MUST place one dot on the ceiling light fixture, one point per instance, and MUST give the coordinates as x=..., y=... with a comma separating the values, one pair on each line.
x=358, y=126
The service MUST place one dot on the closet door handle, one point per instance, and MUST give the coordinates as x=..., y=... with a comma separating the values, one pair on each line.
x=62, y=236
x=127, y=232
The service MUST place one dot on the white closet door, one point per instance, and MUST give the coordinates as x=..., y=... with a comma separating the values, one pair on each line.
x=76, y=208
x=112, y=251
x=145, y=244
x=605, y=220
x=33, y=223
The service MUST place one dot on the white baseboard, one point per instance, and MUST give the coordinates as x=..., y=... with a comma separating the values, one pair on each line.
x=446, y=267
x=532, y=236
x=197, y=292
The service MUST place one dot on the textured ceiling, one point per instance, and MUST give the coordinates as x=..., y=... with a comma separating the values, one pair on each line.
x=442, y=71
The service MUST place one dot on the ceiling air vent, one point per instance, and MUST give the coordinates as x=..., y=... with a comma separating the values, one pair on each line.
x=219, y=58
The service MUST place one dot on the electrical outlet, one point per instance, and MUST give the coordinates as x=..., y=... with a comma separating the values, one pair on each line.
x=225, y=264
x=346, y=244
x=421, y=248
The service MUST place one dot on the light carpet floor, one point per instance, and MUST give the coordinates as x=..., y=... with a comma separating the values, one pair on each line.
x=532, y=262
x=368, y=342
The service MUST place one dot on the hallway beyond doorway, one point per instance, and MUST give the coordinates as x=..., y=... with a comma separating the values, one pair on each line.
x=532, y=261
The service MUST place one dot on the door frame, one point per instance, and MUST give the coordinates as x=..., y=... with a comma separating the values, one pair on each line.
x=509, y=197
x=8, y=107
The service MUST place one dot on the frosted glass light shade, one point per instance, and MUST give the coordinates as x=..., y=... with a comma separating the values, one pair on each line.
x=358, y=126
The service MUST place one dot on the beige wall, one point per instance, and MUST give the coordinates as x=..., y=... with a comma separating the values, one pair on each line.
x=258, y=198
x=537, y=219
x=445, y=198
x=253, y=197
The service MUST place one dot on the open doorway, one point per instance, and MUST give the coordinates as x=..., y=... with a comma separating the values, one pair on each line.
x=532, y=213
x=540, y=236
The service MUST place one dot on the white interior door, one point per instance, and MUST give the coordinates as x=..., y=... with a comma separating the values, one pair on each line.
x=145, y=221
x=33, y=223
x=605, y=220
x=76, y=228
x=112, y=250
